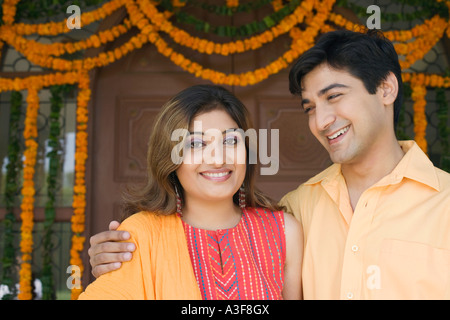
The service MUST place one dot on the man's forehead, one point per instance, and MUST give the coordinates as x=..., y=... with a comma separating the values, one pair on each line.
x=324, y=78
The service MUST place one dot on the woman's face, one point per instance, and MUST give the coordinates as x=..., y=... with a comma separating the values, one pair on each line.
x=213, y=167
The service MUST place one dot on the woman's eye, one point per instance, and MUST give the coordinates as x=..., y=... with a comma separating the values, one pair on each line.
x=230, y=141
x=197, y=144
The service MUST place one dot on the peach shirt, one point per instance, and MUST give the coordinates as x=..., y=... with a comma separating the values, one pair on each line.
x=395, y=245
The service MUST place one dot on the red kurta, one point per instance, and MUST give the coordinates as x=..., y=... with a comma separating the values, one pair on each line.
x=244, y=262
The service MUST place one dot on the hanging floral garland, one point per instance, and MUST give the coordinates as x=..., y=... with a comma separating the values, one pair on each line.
x=21, y=44
x=426, y=36
x=79, y=189
x=301, y=42
x=209, y=47
x=57, y=28
x=419, y=92
x=30, y=135
x=245, y=30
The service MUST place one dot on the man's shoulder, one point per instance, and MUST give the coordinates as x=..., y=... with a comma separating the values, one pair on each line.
x=305, y=190
x=444, y=179
x=327, y=174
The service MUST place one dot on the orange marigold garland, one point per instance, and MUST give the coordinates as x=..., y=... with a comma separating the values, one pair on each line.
x=56, y=28
x=160, y=21
x=9, y=11
x=232, y=3
x=30, y=135
x=425, y=37
x=302, y=40
x=79, y=190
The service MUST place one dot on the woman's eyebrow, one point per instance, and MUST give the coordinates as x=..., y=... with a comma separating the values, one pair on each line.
x=223, y=132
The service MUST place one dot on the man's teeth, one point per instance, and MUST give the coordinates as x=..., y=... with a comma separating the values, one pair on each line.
x=337, y=134
x=216, y=175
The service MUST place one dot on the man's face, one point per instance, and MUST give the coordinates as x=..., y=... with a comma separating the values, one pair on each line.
x=347, y=120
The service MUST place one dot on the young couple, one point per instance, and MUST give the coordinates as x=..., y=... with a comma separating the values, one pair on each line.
x=374, y=225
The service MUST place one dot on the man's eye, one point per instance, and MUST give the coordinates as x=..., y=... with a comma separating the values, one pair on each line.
x=332, y=96
x=308, y=109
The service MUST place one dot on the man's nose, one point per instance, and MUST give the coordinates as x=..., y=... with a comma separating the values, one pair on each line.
x=324, y=117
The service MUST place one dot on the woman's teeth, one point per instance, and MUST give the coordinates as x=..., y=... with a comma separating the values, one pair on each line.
x=216, y=175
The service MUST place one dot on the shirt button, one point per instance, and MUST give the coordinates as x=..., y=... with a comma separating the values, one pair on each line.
x=355, y=248
x=350, y=295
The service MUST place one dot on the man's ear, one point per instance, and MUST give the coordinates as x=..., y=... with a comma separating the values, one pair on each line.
x=389, y=89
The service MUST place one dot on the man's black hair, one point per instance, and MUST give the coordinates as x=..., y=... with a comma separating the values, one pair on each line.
x=368, y=56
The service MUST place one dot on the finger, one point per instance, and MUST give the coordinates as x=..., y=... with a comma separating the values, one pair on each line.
x=113, y=225
x=108, y=258
x=105, y=268
x=106, y=236
x=111, y=247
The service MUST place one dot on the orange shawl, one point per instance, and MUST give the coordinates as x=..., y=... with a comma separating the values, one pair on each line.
x=160, y=269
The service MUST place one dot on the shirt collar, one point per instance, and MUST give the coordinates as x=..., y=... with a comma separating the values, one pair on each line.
x=414, y=165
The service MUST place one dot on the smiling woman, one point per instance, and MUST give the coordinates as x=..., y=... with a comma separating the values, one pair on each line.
x=201, y=228
x=179, y=114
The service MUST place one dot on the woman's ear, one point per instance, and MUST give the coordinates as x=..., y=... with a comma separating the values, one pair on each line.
x=389, y=89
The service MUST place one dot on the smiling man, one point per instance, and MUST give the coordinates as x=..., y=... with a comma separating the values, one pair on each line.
x=377, y=222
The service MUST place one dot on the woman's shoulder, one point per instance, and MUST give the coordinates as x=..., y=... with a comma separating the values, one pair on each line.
x=145, y=221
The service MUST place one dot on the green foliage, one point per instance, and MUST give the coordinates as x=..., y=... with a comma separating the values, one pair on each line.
x=13, y=169
x=232, y=31
x=54, y=170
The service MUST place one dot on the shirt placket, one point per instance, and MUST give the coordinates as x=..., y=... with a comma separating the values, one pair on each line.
x=353, y=268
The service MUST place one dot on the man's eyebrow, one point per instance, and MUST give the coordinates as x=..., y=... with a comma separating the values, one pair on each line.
x=331, y=86
x=324, y=90
x=304, y=101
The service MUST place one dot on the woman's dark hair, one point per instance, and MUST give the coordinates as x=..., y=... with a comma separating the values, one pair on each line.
x=367, y=56
x=158, y=196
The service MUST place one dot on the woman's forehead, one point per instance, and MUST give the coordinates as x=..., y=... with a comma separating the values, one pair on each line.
x=214, y=119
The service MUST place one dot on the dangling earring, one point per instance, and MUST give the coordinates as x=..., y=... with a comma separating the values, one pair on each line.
x=178, y=201
x=173, y=179
x=242, y=203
